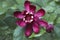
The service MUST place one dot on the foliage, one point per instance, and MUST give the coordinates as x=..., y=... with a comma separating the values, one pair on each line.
x=10, y=31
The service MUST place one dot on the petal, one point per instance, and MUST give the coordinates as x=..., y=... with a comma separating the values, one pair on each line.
x=21, y=23
x=28, y=31
x=43, y=23
x=36, y=28
x=18, y=14
x=36, y=18
x=40, y=13
x=32, y=9
x=27, y=4
x=50, y=28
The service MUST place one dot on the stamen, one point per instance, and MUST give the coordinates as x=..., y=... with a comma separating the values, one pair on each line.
x=31, y=20
x=24, y=19
x=27, y=12
x=31, y=16
x=31, y=13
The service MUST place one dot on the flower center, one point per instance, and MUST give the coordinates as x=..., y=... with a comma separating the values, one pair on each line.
x=28, y=18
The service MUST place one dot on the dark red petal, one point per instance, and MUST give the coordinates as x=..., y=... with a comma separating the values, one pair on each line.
x=43, y=23
x=50, y=28
x=40, y=13
x=32, y=8
x=36, y=28
x=36, y=18
x=27, y=4
x=21, y=23
x=28, y=31
x=18, y=14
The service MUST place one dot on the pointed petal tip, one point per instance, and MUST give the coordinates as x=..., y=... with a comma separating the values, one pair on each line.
x=28, y=31
x=32, y=8
x=26, y=5
x=40, y=13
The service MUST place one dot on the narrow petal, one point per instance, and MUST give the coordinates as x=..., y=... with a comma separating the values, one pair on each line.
x=32, y=9
x=18, y=14
x=43, y=23
x=40, y=13
x=36, y=28
x=28, y=31
x=21, y=23
x=50, y=28
x=36, y=18
x=27, y=4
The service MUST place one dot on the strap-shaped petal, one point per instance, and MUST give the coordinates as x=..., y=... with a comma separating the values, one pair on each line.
x=36, y=28
x=43, y=23
x=40, y=13
x=26, y=5
x=21, y=23
x=28, y=30
x=18, y=14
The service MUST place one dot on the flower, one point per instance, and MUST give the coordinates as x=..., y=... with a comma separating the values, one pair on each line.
x=30, y=19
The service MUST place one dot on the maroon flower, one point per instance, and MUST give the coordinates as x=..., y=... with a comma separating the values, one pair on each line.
x=30, y=19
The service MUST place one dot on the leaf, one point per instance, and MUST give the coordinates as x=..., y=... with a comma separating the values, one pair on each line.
x=42, y=31
x=5, y=5
x=10, y=21
x=19, y=34
x=20, y=4
x=32, y=0
x=57, y=30
x=50, y=17
x=57, y=11
x=57, y=0
x=46, y=36
x=58, y=20
x=51, y=7
x=3, y=25
x=2, y=16
x=43, y=3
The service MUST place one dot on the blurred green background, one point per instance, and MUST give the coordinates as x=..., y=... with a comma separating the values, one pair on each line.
x=10, y=31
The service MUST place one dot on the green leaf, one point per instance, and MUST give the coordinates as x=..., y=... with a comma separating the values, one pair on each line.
x=5, y=5
x=57, y=11
x=51, y=7
x=19, y=34
x=3, y=25
x=50, y=17
x=43, y=3
x=58, y=20
x=2, y=16
x=20, y=4
x=57, y=30
x=42, y=31
x=57, y=0
x=46, y=36
x=32, y=0
x=10, y=21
